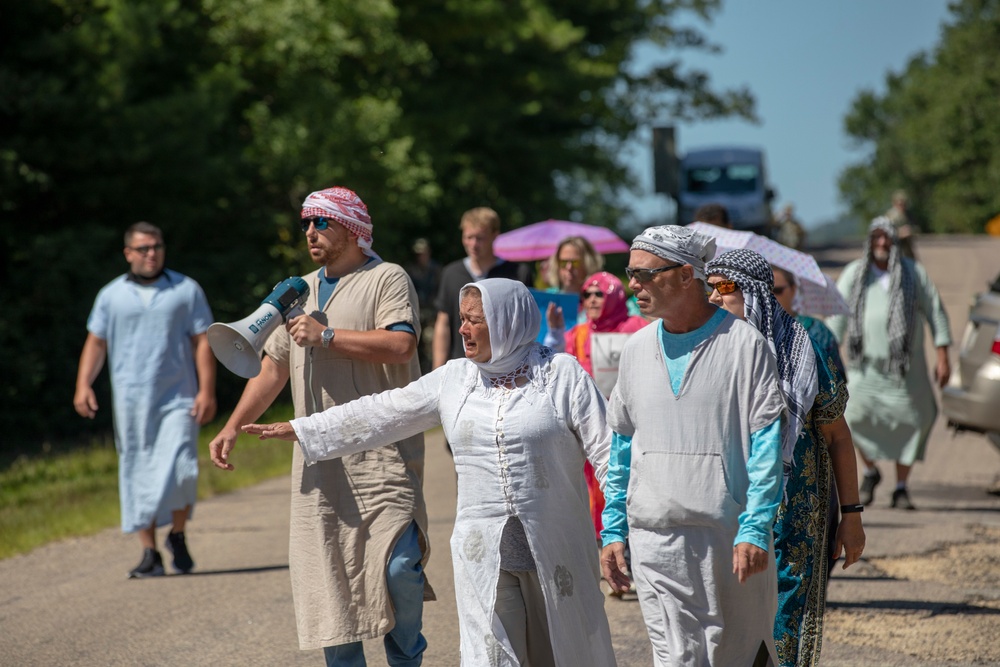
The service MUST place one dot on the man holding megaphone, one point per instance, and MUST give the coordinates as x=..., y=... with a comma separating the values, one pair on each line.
x=358, y=535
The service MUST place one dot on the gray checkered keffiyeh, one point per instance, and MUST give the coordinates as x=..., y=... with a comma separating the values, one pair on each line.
x=787, y=338
x=902, y=302
x=677, y=244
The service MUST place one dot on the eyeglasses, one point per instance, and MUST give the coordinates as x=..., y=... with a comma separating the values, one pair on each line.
x=587, y=295
x=724, y=286
x=146, y=249
x=319, y=223
x=778, y=290
x=569, y=263
x=645, y=275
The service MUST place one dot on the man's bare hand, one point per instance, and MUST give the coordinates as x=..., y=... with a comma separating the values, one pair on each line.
x=221, y=446
x=748, y=559
x=942, y=370
x=85, y=402
x=204, y=408
x=305, y=331
x=278, y=431
x=613, y=567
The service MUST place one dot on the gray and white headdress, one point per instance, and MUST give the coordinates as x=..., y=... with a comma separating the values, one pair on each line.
x=902, y=302
x=678, y=244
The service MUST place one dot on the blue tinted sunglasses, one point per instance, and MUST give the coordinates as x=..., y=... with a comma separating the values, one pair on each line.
x=320, y=223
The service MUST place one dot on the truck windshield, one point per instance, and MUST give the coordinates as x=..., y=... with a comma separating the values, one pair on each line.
x=733, y=178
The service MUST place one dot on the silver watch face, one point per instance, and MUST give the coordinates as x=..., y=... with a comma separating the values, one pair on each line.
x=327, y=336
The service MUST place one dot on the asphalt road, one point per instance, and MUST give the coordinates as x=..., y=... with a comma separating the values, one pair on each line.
x=927, y=592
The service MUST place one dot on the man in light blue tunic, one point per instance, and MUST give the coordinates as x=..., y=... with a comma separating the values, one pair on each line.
x=150, y=323
x=695, y=471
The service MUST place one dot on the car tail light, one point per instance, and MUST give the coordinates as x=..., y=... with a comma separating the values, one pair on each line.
x=996, y=347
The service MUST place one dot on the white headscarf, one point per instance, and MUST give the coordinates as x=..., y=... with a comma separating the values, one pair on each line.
x=513, y=320
x=677, y=244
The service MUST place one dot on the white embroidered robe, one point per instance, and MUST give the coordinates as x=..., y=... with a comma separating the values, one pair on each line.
x=517, y=453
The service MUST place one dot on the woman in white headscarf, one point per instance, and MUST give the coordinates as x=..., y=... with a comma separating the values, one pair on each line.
x=521, y=421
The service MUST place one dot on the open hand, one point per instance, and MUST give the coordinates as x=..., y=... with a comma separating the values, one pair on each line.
x=278, y=431
x=554, y=317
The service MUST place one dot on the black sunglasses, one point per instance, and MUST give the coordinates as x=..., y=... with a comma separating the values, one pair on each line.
x=320, y=223
x=645, y=275
x=586, y=295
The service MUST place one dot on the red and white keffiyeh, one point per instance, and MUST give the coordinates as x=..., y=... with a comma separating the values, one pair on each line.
x=345, y=207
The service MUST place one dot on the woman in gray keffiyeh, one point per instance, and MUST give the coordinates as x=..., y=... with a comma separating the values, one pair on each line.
x=786, y=337
x=817, y=442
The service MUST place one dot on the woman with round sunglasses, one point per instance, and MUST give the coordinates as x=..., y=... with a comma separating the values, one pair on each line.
x=816, y=449
x=573, y=260
x=521, y=421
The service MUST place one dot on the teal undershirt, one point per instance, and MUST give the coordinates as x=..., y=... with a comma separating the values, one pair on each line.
x=763, y=466
x=677, y=348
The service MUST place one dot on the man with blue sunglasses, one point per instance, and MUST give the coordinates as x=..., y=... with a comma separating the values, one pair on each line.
x=358, y=536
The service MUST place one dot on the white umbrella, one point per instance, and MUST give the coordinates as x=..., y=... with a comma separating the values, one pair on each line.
x=817, y=293
x=812, y=299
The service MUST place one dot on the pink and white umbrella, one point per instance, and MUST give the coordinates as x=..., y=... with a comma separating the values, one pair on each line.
x=540, y=240
x=817, y=293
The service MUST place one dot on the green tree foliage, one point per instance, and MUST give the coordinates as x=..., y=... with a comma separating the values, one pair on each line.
x=936, y=130
x=214, y=118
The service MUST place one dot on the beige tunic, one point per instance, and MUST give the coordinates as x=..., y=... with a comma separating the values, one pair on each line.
x=347, y=513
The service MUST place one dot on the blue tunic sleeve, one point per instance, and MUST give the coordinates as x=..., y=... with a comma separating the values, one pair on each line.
x=764, y=494
x=615, y=490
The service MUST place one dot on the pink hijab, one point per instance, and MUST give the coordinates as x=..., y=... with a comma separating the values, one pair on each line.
x=614, y=317
x=615, y=310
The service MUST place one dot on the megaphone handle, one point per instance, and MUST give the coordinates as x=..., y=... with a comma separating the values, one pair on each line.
x=294, y=312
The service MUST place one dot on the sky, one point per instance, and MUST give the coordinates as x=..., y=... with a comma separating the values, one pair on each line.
x=804, y=61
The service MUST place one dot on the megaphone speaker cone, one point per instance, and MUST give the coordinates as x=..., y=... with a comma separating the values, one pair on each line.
x=233, y=350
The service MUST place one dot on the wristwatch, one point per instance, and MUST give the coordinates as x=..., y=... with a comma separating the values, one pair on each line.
x=327, y=336
x=850, y=509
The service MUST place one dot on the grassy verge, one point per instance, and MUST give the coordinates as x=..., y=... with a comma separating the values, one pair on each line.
x=75, y=493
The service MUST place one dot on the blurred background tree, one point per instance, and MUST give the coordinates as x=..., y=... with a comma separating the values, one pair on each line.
x=214, y=118
x=936, y=131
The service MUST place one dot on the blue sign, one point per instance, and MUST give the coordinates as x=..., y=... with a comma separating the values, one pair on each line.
x=570, y=304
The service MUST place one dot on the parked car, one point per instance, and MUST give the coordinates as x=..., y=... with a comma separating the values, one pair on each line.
x=971, y=401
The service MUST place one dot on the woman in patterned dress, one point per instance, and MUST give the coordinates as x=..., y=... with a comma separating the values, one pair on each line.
x=817, y=450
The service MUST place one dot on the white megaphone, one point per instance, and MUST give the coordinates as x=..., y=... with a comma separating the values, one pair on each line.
x=238, y=345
